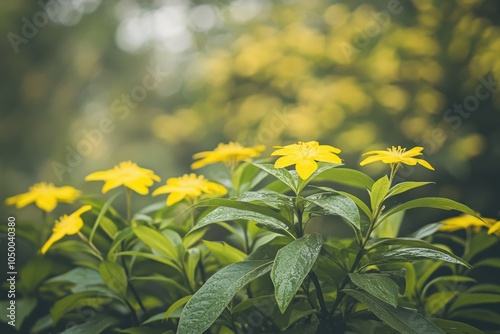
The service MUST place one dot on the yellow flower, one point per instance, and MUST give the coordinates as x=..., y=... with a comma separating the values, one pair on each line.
x=230, y=154
x=45, y=196
x=66, y=225
x=189, y=187
x=463, y=222
x=494, y=227
x=396, y=156
x=304, y=156
x=127, y=174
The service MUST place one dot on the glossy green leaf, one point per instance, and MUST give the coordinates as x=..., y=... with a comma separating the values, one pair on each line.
x=455, y=327
x=401, y=319
x=268, y=197
x=425, y=231
x=176, y=305
x=224, y=253
x=291, y=266
x=379, y=191
x=229, y=210
x=429, y=202
x=191, y=239
x=114, y=276
x=157, y=241
x=211, y=299
x=337, y=204
x=281, y=174
x=405, y=186
x=414, y=254
x=377, y=285
x=348, y=177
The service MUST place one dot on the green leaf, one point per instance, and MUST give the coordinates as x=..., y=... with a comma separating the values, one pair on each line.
x=81, y=279
x=176, y=305
x=356, y=200
x=405, y=186
x=157, y=241
x=378, y=285
x=114, y=276
x=224, y=253
x=228, y=210
x=212, y=298
x=92, y=299
x=425, y=231
x=414, y=254
x=96, y=326
x=401, y=319
x=389, y=228
x=455, y=327
x=291, y=266
x=430, y=202
x=110, y=226
x=337, y=204
x=449, y=280
x=348, y=177
x=191, y=239
x=281, y=174
x=168, y=281
x=466, y=299
x=480, y=314
x=246, y=176
x=437, y=301
x=191, y=260
x=153, y=257
x=379, y=191
x=268, y=197
x=402, y=241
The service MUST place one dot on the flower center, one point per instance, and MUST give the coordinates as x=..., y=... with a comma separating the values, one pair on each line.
x=397, y=151
x=307, y=150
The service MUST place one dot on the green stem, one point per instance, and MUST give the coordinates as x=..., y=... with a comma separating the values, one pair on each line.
x=128, y=195
x=129, y=283
x=94, y=248
x=319, y=293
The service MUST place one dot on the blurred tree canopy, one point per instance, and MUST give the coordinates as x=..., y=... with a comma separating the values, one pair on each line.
x=89, y=83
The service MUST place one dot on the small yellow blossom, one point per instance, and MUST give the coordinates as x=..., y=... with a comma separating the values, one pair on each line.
x=127, y=174
x=66, y=225
x=189, y=187
x=494, y=227
x=304, y=156
x=395, y=156
x=465, y=221
x=45, y=196
x=230, y=154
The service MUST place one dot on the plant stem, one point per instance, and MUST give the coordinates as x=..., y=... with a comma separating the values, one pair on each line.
x=319, y=293
x=129, y=283
x=94, y=248
x=128, y=195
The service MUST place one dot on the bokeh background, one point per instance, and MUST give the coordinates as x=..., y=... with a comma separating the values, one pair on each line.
x=92, y=83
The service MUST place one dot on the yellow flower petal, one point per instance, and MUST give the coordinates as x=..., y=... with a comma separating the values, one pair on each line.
x=128, y=174
x=45, y=196
x=306, y=168
x=286, y=161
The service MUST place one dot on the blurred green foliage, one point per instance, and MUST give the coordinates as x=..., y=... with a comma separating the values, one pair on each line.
x=355, y=74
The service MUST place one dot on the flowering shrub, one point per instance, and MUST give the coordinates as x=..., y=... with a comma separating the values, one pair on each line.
x=158, y=270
